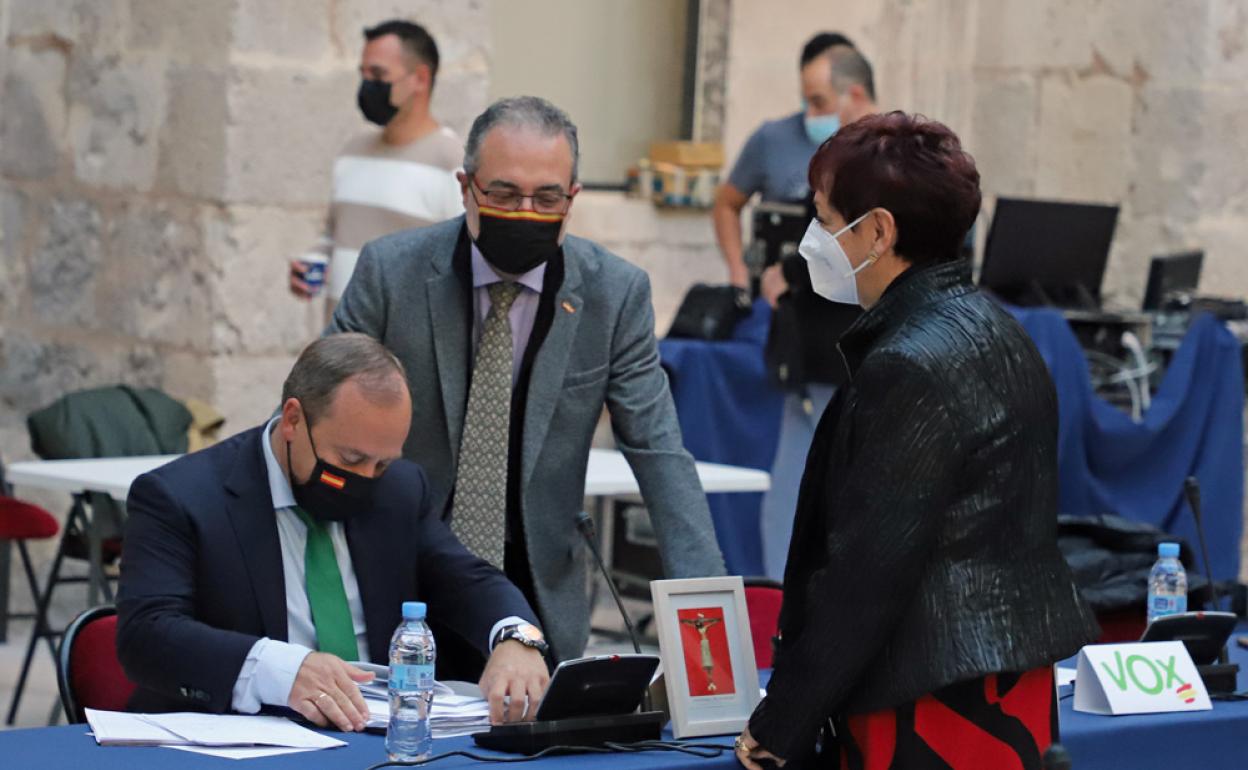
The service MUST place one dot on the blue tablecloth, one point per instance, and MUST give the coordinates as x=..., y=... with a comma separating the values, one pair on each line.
x=70, y=748
x=1204, y=739
x=1201, y=739
x=1109, y=464
x=730, y=414
x=1196, y=740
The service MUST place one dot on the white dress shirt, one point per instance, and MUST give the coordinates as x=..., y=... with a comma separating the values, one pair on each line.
x=269, y=671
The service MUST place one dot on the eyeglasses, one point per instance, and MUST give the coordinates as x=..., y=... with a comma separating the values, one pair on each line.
x=544, y=201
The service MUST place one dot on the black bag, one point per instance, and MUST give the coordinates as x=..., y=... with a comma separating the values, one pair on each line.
x=710, y=312
x=805, y=328
x=785, y=353
x=1111, y=556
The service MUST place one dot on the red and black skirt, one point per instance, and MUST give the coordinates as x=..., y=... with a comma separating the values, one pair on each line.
x=1001, y=721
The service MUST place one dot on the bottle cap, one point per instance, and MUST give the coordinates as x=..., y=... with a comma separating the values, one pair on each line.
x=1168, y=550
x=413, y=610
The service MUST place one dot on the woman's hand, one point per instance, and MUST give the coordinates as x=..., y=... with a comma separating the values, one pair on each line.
x=749, y=752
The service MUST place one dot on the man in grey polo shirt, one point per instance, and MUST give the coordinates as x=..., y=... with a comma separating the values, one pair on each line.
x=837, y=88
x=773, y=162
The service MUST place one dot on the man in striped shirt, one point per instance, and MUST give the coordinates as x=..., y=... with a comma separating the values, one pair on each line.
x=400, y=177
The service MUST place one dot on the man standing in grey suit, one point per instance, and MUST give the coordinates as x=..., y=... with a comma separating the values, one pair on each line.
x=514, y=337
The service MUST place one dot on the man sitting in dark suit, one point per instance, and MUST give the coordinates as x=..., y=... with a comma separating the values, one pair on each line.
x=252, y=570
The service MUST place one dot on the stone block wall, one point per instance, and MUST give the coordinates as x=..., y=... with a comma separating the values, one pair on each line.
x=160, y=161
x=1143, y=103
x=1136, y=102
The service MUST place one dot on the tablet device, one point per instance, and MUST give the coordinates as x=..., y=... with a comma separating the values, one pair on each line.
x=1203, y=633
x=597, y=685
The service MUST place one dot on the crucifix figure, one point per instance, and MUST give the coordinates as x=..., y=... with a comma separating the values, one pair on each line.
x=702, y=624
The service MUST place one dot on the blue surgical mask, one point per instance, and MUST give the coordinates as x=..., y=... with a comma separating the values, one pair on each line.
x=821, y=128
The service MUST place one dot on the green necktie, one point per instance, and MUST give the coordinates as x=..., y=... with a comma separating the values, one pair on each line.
x=335, y=633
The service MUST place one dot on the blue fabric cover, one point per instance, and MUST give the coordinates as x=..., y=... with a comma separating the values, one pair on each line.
x=1163, y=741
x=1194, y=739
x=72, y=748
x=729, y=413
x=1109, y=464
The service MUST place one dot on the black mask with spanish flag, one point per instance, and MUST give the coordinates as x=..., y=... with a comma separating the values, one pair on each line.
x=515, y=242
x=330, y=493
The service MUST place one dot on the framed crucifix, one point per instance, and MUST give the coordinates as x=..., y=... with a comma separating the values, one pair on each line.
x=707, y=652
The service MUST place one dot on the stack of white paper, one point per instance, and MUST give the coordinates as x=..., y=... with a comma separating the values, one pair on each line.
x=221, y=734
x=378, y=687
x=454, y=715
x=457, y=710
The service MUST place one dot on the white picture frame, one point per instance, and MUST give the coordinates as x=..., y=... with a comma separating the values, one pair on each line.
x=704, y=620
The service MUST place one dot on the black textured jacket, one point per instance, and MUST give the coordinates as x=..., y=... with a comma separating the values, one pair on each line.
x=924, y=547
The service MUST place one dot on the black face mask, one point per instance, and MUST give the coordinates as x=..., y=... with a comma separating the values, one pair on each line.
x=330, y=493
x=374, y=101
x=515, y=242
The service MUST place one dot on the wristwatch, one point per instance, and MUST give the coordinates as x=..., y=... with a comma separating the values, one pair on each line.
x=525, y=633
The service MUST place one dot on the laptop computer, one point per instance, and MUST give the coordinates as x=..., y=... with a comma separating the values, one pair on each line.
x=1048, y=252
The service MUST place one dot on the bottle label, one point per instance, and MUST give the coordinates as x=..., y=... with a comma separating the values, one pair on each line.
x=411, y=677
x=1166, y=605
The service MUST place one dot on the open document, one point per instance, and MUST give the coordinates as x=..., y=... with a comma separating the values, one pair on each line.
x=113, y=728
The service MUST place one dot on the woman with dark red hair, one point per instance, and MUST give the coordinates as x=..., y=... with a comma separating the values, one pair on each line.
x=925, y=600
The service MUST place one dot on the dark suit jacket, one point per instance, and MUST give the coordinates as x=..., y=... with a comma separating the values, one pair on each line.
x=202, y=578
x=924, y=548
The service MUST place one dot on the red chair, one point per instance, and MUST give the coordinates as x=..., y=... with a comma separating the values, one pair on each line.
x=88, y=672
x=28, y=519
x=1125, y=625
x=20, y=523
x=763, y=598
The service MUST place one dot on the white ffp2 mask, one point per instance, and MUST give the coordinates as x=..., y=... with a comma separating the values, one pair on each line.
x=831, y=274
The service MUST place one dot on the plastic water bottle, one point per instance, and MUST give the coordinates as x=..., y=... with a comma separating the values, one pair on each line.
x=1167, y=583
x=412, y=653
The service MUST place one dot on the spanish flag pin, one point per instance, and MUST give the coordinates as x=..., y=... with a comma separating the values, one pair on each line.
x=568, y=306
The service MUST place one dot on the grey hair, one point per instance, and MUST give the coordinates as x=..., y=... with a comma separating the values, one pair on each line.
x=521, y=111
x=330, y=361
x=850, y=67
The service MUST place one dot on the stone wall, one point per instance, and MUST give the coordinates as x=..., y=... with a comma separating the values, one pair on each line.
x=1138, y=102
x=1143, y=103
x=160, y=161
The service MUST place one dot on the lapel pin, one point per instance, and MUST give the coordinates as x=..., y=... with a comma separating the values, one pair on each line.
x=568, y=307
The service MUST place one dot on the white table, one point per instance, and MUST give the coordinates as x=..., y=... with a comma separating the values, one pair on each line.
x=112, y=476
x=607, y=477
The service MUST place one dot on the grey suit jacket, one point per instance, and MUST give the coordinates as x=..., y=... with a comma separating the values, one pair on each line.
x=600, y=350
